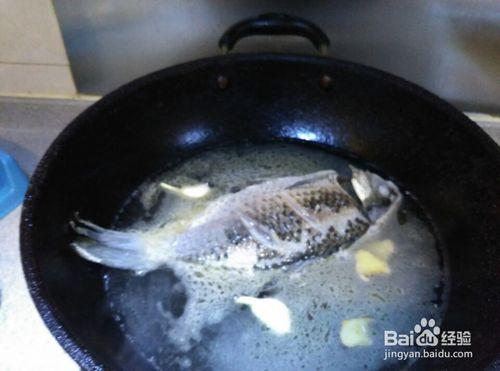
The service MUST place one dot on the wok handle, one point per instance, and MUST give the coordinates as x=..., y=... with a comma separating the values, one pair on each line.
x=274, y=24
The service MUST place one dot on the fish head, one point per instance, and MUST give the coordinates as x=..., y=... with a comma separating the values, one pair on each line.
x=375, y=193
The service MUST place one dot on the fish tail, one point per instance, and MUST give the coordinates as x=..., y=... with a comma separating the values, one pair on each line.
x=117, y=249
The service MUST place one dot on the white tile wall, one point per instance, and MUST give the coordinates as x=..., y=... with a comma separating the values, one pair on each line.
x=33, y=60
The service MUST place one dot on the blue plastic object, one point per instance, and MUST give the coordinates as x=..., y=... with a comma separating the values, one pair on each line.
x=13, y=184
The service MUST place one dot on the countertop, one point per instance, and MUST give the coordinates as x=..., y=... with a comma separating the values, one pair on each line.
x=27, y=127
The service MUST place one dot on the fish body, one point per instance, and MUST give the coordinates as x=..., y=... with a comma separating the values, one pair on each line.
x=267, y=225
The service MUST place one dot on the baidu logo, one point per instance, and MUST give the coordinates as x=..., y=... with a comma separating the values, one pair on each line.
x=427, y=333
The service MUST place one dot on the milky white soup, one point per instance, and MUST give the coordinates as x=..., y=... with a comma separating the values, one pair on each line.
x=323, y=313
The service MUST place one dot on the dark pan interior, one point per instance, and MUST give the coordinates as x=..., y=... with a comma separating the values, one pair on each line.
x=428, y=147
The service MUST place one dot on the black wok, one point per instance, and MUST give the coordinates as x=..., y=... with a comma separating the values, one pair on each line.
x=400, y=130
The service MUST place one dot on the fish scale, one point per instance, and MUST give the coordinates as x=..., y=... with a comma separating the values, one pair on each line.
x=288, y=225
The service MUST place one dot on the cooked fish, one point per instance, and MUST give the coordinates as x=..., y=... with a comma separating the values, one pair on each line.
x=274, y=223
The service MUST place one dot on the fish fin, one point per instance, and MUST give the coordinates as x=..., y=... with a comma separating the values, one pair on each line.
x=117, y=249
x=328, y=175
x=259, y=233
x=302, y=212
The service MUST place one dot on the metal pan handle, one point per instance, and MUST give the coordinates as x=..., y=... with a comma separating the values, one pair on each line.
x=274, y=24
